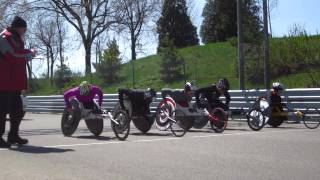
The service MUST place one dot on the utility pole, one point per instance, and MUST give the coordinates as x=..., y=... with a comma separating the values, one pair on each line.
x=240, y=46
x=266, y=46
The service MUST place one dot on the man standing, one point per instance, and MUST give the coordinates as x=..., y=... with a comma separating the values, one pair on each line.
x=13, y=79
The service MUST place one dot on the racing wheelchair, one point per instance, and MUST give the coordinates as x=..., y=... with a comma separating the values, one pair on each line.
x=261, y=114
x=134, y=105
x=93, y=119
x=177, y=108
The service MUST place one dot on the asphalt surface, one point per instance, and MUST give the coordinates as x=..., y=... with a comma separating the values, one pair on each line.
x=288, y=152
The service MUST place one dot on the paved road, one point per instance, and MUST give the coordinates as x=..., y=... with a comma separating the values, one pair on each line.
x=289, y=152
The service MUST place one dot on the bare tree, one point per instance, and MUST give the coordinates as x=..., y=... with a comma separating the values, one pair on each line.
x=90, y=19
x=271, y=5
x=10, y=8
x=99, y=46
x=62, y=33
x=136, y=14
x=46, y=34
x=50, y=33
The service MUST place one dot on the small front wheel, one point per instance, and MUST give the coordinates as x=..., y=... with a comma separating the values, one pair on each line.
x=311, y=118
x=122, y=128
x=177, y=127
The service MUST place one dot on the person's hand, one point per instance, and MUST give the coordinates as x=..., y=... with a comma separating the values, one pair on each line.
x=34, y=52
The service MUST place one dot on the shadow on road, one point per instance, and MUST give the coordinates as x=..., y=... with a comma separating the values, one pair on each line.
x=51, y=131
x=100, y=138
x=150, y=134
x=200, y=131
x=39, y=150
x=286, y=127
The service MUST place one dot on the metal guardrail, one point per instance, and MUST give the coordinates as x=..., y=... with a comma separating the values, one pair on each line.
x=241, y=100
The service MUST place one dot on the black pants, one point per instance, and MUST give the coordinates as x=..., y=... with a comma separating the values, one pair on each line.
x=10, y=103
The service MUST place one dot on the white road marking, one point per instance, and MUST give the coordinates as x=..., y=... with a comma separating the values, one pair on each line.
x=167, y=139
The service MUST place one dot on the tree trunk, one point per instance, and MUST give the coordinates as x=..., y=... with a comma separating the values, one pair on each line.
x=48, y=63
x=87, y=47
x=60, y=41
x=133, y=57
x=52, y=66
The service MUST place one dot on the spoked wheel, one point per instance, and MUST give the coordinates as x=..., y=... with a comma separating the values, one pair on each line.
x=311, y=118
x=95, y=126
x=122, y=129
x=70, y=121
x=177, y=127
x=255, y=119
x=218, y=121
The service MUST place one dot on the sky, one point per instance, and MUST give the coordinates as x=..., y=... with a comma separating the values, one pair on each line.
x=305, y=13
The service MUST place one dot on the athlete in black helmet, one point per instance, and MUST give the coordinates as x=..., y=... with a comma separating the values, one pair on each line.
x=212, y=93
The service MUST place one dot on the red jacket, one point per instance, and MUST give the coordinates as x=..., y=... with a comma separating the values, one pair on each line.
x=13, y=59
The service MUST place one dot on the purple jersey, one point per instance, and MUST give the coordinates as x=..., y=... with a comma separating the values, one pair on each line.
x=75, y=92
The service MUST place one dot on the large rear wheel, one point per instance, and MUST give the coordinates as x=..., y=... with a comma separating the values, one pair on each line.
x=200, y=122
x=218, y=120
x=95, y=126
x=164, y=114
x=276, y=118
x=143, y=123
x=255, y=119
x=70, y=121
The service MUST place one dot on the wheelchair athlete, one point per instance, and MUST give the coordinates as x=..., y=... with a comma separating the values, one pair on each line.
x=212, y=93
x=84, y=94
x=137, y=103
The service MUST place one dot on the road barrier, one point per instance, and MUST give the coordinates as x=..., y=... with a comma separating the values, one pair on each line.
x=241, y=100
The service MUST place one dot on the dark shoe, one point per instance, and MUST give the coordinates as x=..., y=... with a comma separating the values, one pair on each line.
x=4, y=144
x=17, y=140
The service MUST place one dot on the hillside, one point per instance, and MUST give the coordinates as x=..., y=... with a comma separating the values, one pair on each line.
x=204, y=64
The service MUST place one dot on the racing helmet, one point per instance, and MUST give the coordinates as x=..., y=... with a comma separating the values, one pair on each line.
x=152, y=92
x=223, y=84
x=189, y=86
x=84, y=88
x=277, y=86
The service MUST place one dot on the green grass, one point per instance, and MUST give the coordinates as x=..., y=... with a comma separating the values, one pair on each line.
x=204, y=64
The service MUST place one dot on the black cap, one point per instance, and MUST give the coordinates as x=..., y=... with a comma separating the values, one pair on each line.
x=18, y=22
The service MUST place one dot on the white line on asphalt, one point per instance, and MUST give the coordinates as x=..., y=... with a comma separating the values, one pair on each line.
x=167, y=139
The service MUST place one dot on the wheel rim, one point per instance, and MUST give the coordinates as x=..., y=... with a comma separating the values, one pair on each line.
x=69, y=123
x=163, y=114
x=121, y=129
x=256, y=118
x=122, y=120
